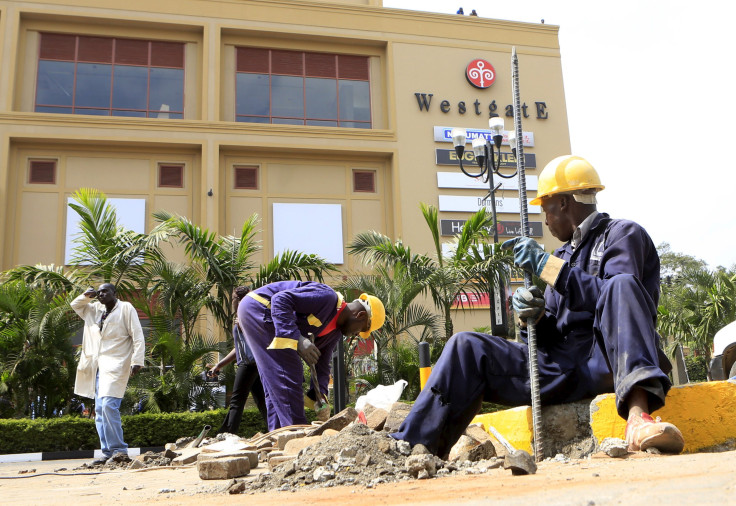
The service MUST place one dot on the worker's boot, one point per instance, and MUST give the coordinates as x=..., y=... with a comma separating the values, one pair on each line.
x=644, y=432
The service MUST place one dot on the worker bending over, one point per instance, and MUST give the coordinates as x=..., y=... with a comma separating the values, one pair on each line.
x=595, y=326
x=277, y=320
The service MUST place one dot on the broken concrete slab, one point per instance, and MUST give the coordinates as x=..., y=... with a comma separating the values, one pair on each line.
x=396, y=415
x=288, y=436
x=520, y=462
x=463, y=445
x=186, y=456
x=276, y=461
x=229, y=444
x=222, y=469
x=337, y=422
x=296, y=445
x=417, y=464
x=477, y=432
x=483, y=451
x=136, y=464
x=251, y=455
x=614, y=447
x=377, y=418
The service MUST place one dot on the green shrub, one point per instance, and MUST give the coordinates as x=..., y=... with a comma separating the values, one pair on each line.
x=147, y=429
x=697, y=369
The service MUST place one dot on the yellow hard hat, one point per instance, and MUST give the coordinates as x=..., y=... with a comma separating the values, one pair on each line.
x=376, y=312
x=566, y=174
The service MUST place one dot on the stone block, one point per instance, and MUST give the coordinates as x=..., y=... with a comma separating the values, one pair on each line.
x=520, y=462
x=252, y=456
x=288, y=436
x=276, y=461
x=186, y=456
x=223, y=469
x=294, y=446
x=337, y=422
x=477, y=432
x=376, y=419
x=417, y=464
x=396, y=415
x=136, y=464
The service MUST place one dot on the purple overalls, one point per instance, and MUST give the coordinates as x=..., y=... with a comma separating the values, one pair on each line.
x=273, y=317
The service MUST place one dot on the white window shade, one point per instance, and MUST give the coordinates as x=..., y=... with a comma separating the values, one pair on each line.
x=309, y=228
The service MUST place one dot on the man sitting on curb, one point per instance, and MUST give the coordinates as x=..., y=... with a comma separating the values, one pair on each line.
x=595, y=326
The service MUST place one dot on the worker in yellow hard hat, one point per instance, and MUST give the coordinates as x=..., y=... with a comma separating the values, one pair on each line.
x=595, y=326
x=289, y=321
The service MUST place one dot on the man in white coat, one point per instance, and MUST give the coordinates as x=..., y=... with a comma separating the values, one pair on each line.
x=113, y=349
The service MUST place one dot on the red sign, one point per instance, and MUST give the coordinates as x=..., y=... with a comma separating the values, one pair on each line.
x=480, y=73
x=472, y=300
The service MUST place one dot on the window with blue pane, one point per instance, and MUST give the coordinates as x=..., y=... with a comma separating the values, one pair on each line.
x=110, y=76
x=300, y=88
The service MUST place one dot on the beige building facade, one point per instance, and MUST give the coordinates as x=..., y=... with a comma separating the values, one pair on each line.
x=327, y=116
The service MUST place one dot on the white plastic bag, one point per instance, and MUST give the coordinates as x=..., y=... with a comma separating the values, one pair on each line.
x=383, y=396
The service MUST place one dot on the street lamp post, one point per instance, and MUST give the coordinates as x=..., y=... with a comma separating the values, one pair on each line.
x=488, y=157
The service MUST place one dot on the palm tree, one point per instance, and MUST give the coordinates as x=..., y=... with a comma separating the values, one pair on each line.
x=224, y=262
x=37, y=360
x=106, y=250
x=398, y=291
x=695, y=305
x=473, y=262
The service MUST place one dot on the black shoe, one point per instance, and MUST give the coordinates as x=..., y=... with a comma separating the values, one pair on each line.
x=100, y=462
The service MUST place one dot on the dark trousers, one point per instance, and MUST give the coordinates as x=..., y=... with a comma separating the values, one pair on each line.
x=619, y=354
x=246, y=382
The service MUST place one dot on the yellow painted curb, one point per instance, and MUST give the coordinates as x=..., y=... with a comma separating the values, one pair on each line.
x=514, y=424
x=705, y=413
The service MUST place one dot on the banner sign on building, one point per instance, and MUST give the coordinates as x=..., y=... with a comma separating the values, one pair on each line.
x=460, y=180
x=443, y=134
x=505, y=228
x=471, y=204
x=508, y=160
x=472, y=300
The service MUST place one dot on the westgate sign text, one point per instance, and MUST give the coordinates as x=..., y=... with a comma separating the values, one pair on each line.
x=424, y=101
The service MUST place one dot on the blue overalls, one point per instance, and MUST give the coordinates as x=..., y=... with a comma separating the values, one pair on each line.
x=273, y=317
x=597, y=335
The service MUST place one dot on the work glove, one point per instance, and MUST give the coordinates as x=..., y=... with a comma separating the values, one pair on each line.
x=528, y=303
x=323, y=412
x=307, y=350
x=530, y=256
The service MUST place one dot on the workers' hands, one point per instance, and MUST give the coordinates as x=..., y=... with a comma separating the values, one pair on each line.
x=528, y=254
x=323, y=412
x=91, y=293
x=528, y=303
x=134, y=369
x=307, y=350
x=214, y=371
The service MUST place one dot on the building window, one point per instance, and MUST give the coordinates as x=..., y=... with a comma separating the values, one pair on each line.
x=170, y=175
x=42, y=171
x=246, y=178
x=110, y=77
x=297, y=88
x=364, y=181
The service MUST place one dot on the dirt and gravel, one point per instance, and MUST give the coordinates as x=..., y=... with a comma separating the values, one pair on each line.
x=346, y=461
x=704, y=478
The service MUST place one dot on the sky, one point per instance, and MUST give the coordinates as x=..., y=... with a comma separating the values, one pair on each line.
x=651, y=103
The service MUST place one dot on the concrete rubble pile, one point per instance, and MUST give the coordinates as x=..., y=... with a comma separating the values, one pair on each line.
x=350, y=448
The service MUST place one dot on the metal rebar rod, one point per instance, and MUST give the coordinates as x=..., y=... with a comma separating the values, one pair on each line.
x=531, y=325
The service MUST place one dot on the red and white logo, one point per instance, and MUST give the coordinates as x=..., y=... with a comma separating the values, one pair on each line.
x=480, y=73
